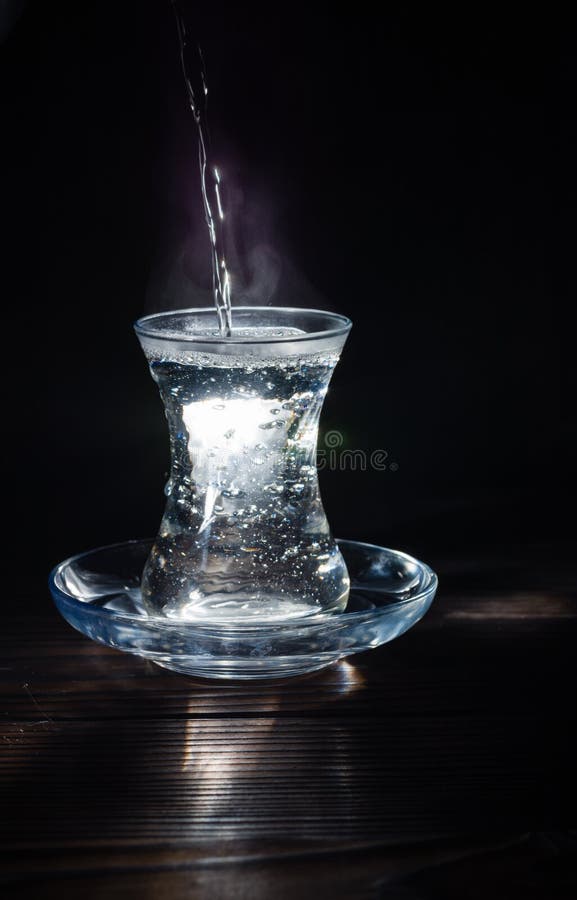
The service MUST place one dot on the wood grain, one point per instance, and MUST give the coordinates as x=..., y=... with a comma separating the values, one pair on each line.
x=119, y=778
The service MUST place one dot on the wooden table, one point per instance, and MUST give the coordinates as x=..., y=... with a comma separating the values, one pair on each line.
x=439, y=765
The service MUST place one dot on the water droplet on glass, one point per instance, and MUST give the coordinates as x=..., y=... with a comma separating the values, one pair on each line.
x=233, y=493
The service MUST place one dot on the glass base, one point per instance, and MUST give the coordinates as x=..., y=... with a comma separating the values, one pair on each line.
x=98, y=593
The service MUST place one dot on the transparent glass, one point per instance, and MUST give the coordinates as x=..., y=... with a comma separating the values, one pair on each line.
x=99, y=593
x=244, y=536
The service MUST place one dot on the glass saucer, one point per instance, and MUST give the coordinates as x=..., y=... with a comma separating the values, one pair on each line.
x=98, y=593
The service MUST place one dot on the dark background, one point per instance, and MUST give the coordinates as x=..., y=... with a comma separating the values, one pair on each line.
x=415, y=170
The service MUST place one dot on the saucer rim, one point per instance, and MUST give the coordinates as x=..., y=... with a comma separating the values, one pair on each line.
x=309, y=623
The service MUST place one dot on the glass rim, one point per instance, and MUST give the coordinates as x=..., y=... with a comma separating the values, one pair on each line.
x=144, y=327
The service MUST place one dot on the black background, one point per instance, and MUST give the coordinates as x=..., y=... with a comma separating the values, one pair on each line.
x=413, y=168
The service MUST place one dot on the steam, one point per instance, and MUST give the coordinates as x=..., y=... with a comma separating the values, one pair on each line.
x=232, y=247
x=261, y=272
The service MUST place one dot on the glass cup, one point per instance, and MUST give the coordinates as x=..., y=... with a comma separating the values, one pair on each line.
x=244, y=536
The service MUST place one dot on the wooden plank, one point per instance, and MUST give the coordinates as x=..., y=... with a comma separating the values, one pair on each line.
x=114, y=767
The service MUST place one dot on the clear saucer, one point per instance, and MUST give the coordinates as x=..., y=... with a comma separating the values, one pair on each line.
x=98, y=593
